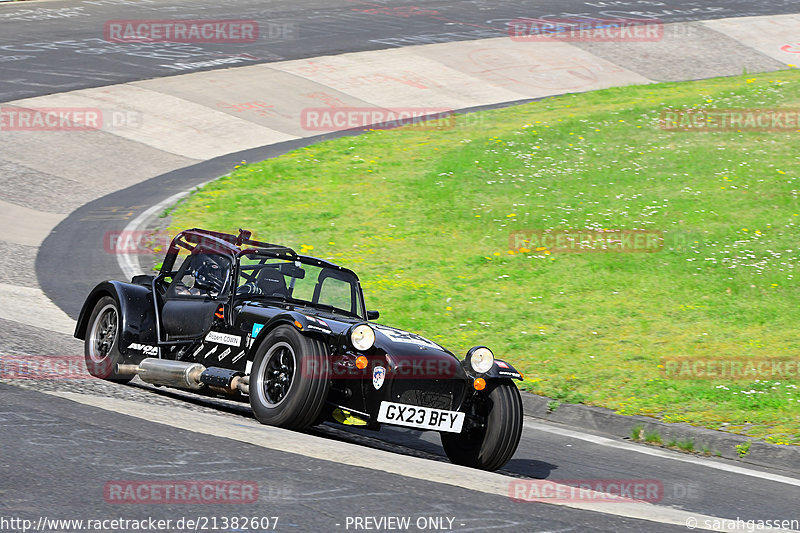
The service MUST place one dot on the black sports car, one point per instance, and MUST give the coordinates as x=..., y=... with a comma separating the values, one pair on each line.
x=232, y=316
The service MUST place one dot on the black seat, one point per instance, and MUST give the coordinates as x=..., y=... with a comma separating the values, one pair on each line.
x=272, y=283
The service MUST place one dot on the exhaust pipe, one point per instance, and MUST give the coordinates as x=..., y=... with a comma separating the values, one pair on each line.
x=185, y=375
x=127, y=370
x=167, y=372
x=243, y=385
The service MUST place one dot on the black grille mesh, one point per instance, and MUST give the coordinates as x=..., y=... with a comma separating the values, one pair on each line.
x=433, y=393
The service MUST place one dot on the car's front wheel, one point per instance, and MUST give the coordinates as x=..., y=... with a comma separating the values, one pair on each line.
x=101, y=346
x=491, y=446
x=289, y=380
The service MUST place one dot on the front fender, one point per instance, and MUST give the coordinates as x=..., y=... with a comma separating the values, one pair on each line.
x=503, y=370
x=137, y=316
x=290, y=318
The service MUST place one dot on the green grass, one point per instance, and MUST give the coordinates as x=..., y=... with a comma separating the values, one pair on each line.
x=652, y=437
x=424, y=217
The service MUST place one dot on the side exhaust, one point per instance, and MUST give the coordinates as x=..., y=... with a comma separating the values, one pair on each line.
x=185, y=375
x=171, y=373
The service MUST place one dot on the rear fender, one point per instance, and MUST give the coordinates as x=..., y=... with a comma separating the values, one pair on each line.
x=137, y=316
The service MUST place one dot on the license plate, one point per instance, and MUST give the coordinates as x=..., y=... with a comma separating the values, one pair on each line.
x=412, y=416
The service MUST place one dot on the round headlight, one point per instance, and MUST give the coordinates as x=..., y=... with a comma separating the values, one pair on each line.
x=362, y=337
x=481, y=359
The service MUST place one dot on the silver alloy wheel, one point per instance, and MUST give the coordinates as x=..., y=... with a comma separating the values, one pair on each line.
x=103, y=334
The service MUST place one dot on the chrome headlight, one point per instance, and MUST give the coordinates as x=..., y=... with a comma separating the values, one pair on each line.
x=480, y=358
x=362, y=337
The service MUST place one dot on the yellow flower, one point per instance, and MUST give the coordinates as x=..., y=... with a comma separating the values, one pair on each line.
x=511, y=215
x=751, y=80
x=744, y=229
x=496, y=253
x=448, y=308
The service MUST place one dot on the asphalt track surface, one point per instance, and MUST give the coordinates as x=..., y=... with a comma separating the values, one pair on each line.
x=56, y=46
x=58, y=455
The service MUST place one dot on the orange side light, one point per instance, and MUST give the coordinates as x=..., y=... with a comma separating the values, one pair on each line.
x=479, y=384
x=361, y=362
x=298, y=324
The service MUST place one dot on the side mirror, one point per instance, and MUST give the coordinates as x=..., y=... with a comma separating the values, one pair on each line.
x=291, y=270
x=373, y=315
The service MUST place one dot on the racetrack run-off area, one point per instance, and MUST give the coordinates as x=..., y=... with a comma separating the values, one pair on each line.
x=177, y=116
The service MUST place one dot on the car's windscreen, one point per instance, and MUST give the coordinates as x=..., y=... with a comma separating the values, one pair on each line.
x=321, y=286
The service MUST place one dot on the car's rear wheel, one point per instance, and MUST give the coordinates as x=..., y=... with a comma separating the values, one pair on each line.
x=101, y=347
x=491, y=446
x=289, y=380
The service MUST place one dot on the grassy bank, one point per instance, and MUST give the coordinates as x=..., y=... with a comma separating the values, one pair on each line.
x=425, y=218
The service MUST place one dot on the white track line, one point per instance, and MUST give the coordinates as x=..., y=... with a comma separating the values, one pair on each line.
x=646, y=450
x=127, y=262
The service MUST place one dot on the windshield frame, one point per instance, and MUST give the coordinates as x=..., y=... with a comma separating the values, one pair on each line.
x=306, y=260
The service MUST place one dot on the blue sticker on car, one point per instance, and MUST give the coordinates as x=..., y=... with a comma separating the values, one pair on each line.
x=378, y=376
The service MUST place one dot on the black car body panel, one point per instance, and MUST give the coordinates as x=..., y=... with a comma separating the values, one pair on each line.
x=136, y=312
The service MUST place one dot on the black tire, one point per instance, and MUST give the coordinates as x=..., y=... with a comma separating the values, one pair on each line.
x=490, y=447
x=289, y=380
x=101, y=347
